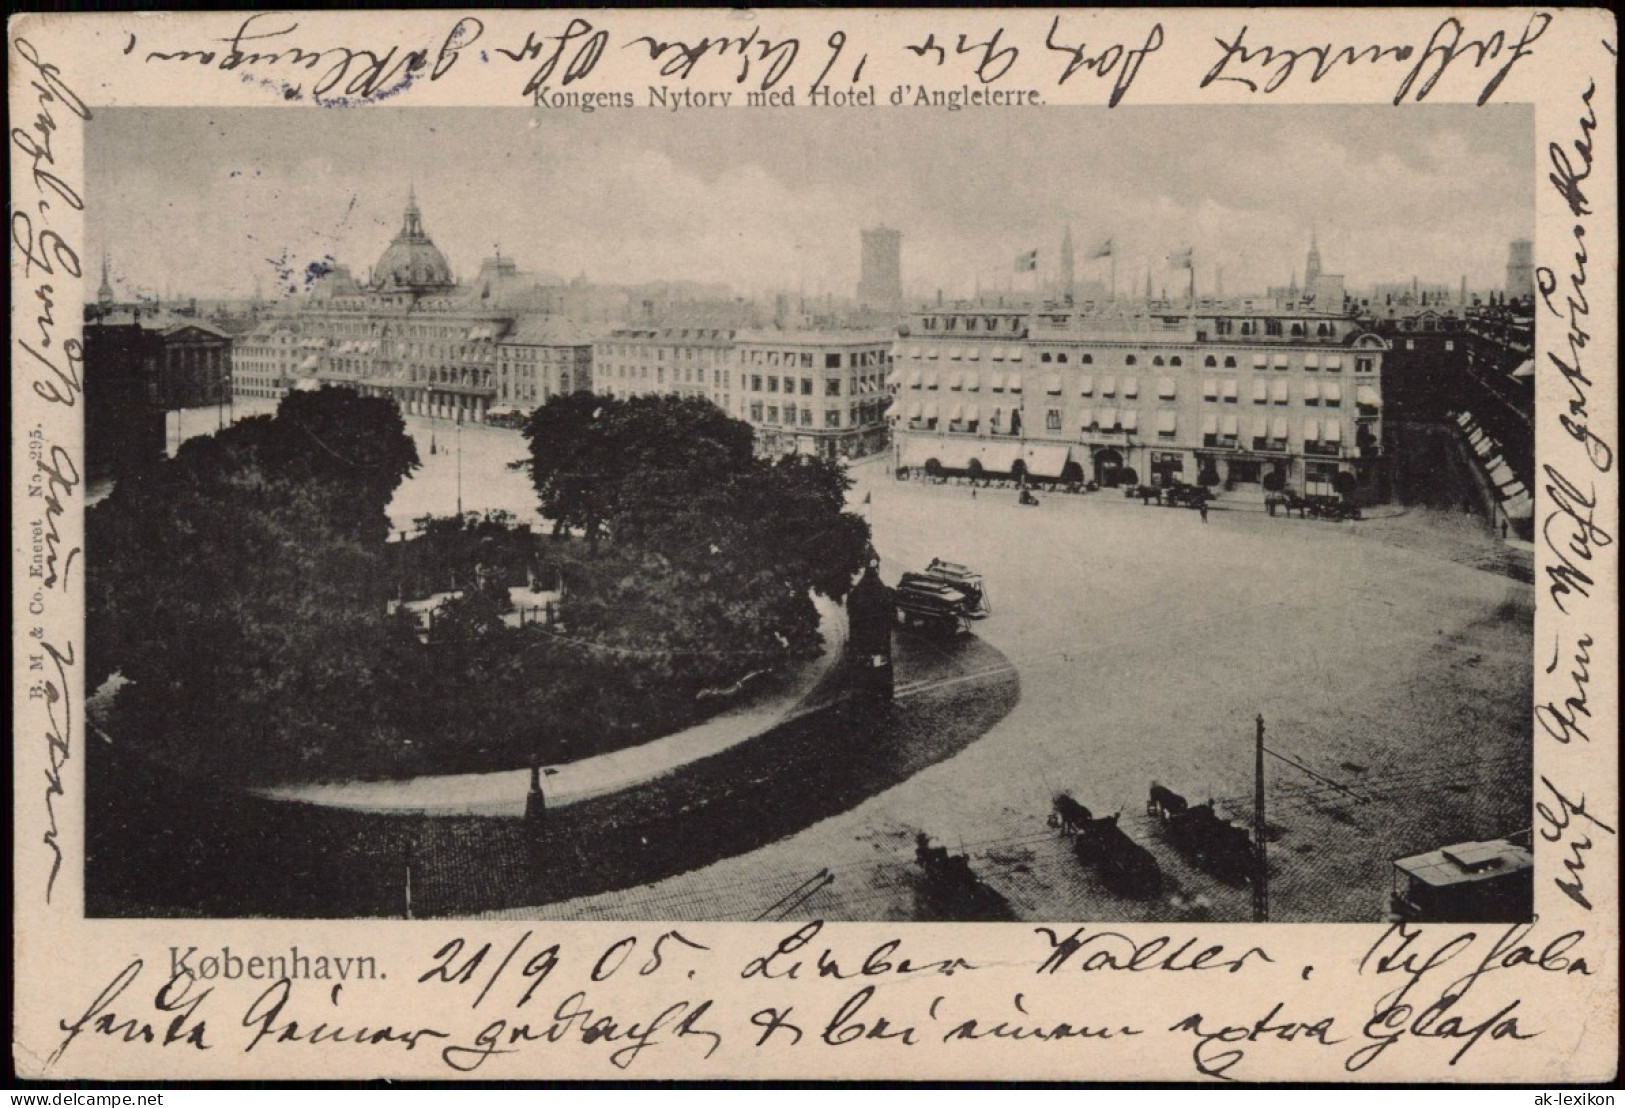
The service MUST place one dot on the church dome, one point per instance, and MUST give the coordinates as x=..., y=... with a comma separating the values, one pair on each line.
x=412, y=262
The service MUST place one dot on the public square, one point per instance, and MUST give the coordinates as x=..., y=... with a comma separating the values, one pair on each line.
x=1386, y=660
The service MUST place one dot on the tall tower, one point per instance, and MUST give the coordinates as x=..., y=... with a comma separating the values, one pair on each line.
x=1311, y=265
x=104, y=295
x=880, y=284
x=1148, y=293
x=1520, y=270
x=1068, y=268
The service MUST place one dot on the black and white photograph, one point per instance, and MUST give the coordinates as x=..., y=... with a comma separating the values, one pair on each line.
x=591, y=515
x=814, y=545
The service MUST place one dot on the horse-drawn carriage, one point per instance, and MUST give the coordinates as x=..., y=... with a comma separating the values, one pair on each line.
x=942, y=598
x=1125, y=867
x=951, y=886
x=1196, y=830
x=1332, y=508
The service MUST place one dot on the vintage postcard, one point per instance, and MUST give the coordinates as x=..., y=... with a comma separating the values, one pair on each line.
x=1029, y=545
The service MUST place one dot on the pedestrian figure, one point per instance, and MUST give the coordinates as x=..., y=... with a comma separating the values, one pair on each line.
x=973, y=492
x=1145, y=497
x=1503, y=528
x=1202, y=508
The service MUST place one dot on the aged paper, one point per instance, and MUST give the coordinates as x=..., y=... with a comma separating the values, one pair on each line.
x=1253, y=371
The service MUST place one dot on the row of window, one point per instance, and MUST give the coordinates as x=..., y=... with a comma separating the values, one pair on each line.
x=1265, y=432
x=989, y=323
x=1332, y=363
x=806, y=359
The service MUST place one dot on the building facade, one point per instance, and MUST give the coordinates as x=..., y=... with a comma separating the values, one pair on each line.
x=187, y=364
x=539, y=358
x=823, y=393
x=661, y=360
x=265, y=362
x=1127, y=398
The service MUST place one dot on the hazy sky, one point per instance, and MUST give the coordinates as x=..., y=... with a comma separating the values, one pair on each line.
x=203, y=201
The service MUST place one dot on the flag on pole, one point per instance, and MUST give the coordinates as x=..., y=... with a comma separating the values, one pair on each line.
x=1180, y=259
x=1027, y=262
x=1104, y=249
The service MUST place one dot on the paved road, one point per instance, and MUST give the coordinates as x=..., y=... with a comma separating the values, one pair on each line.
x=1147, y=642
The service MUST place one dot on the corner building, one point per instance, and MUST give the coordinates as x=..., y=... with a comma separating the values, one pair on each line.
x=1121, y=398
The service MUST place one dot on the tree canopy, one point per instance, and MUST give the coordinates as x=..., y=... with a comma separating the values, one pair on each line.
x=244, y=588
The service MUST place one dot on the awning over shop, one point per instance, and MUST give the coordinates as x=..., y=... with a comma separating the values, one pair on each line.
x=914, y=410
x=1108, y=386
x=1311, y=361
x=1502, y=474
x=1366, y=397
x=1527, y=369
x=1210, y=424
x=955, y=353
x=995, y=382
x=930, y=411
x=1260, y=361
x=1465, y=419
x=957, y=381
x=1086, y=418
x=1278, y=392
x=914, y=380
x=973, y=413
x=1231, y=389
x=956, y=413
x=894, y=410
x=999, y=457
x=1311, y=392
x=1013, y=382
x=1278, y=428
x=1131, y=419
x=1052, y=384
x=1165, y=388
x=1110, y=418
x=1334, y=361
x=1086, y=385
x=1131, y=388
x=1167, y=422
x=1311, y=430
x=1334, y=431
x=1046, y=461
x=973, y=382
x=1016, y=353
x=1231, y=426
x=1519, y=508
x=1334, y=392
x=1280, y=361
x=1261, y=390
x=1261, y=427
x=1514, y=490
x=308, y=364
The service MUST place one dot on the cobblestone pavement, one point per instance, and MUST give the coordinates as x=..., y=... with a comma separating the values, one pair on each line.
x=1147, y=642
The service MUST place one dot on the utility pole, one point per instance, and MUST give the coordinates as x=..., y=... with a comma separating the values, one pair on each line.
x=1261, y=894
x=459, y=462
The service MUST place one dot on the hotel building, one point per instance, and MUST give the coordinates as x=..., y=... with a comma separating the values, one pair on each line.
x=1058, y=394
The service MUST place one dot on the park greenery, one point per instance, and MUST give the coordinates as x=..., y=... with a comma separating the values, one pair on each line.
x=248, y=596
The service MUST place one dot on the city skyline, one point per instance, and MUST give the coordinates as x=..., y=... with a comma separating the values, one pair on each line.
x=211, y=202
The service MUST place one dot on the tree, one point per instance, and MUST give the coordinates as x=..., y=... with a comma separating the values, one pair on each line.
x=239, y=588
x=583, y=449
